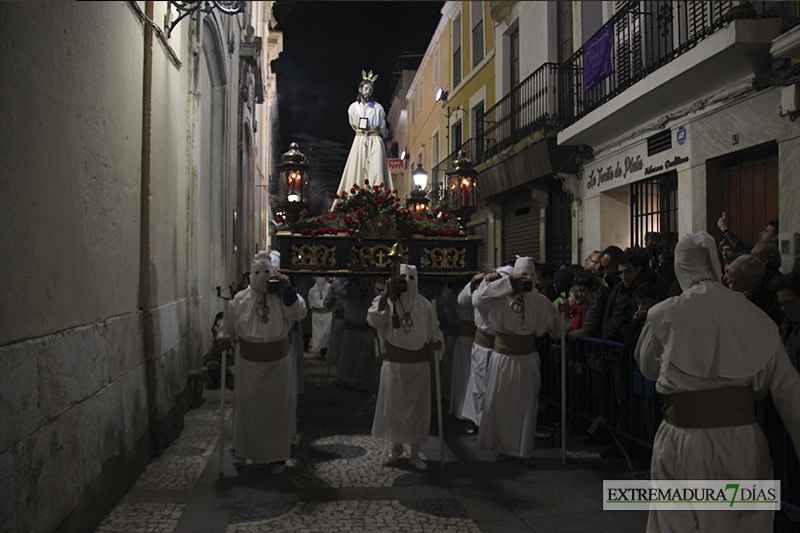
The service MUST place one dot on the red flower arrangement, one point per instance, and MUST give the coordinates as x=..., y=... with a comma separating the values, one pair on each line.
x=354, y=210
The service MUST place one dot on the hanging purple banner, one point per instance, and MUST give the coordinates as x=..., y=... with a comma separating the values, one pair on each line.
x=597, y=63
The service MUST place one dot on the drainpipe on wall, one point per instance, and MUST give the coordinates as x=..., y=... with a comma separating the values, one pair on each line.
x=145, y=303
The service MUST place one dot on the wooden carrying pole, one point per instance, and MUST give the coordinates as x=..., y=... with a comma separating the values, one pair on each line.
x=223, y=371
x=438, y=385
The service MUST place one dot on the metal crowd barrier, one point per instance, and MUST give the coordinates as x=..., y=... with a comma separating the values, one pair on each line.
x=605, y=388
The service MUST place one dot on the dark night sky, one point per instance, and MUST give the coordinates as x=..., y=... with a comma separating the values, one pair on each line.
x=325, y=46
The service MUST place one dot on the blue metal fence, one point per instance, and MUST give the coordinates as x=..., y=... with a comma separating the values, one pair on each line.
x=605, y=388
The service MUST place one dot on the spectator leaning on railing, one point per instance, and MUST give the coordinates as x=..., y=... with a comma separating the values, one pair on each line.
x=589, y=291
x=711, y=354
x=608, y=265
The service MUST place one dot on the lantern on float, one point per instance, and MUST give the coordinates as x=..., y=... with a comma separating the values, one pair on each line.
x=461, y=193
x=293, y=183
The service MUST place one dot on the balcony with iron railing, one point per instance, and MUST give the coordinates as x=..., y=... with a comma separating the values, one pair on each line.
x=657, y=59
x=531, y=106
x=654, y=57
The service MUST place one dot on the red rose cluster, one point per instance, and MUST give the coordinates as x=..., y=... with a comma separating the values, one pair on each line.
x=354, y=209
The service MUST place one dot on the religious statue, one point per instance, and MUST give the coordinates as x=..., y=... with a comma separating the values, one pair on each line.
x=367, y=159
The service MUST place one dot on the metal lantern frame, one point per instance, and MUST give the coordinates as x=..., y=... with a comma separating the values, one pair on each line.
x=462, y=190
x=417, y=201
x=293, y=182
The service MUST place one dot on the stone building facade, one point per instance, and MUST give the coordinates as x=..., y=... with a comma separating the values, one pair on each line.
x=133, y=172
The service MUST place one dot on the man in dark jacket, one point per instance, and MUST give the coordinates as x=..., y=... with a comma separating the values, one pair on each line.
x=620, y=308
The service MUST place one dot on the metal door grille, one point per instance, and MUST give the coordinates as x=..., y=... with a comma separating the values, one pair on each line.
x=654, y=208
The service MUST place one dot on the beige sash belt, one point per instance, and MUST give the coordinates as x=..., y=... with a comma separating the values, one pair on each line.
x=321, y=310
x=467, y=328
x=513, y=344
x=368, y=132
x=264, y=352
x=715, y=408
x=395, y=354
x=351, y=326
x=483, y=340
x=338, y=314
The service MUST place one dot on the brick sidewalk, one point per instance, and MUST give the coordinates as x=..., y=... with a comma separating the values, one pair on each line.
x=337, y=481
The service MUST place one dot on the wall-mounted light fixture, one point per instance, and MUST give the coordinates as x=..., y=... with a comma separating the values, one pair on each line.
x=206, y=6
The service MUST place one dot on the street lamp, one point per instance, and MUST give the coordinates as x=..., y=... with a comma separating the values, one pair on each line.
x=461, y=183
x=418, y=200
x=441, y=95
x=293, y=183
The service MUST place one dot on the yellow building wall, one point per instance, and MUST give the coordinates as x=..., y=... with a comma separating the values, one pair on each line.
x=433, y=115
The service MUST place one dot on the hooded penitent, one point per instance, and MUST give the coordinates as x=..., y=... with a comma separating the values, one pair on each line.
x=709, y=331
x=696, y=260
x=260, y=269
x=524, y=265
x=409, y=298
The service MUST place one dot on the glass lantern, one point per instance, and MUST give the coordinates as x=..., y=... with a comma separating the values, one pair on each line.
x=293, y=184
x=461, y=190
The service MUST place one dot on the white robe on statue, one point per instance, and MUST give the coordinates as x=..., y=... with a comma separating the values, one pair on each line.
x=403, y=410
x=710, y=337
x=367, y=158
x=321, y=317
x=508, y=424
x=265, y=395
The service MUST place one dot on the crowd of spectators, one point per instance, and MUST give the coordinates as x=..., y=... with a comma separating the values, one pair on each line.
x=608, y=297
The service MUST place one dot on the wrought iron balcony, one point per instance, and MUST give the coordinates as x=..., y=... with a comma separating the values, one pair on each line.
x=532, y=105
x=641, y=38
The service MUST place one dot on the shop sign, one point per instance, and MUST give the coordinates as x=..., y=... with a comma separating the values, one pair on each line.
x=396, y=165
x=630, y=166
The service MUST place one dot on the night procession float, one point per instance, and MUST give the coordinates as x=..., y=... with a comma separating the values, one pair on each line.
x=366, y=220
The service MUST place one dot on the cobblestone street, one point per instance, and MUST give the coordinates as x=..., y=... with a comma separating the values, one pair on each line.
x=336, y=480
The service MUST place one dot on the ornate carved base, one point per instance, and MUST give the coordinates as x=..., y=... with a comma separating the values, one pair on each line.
x=345, y=256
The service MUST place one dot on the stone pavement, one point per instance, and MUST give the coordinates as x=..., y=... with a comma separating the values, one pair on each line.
x=336, y=481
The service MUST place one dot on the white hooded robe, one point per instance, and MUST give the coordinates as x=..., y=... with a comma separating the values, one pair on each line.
x=403, y=410
x=711, y=337
x=508, y=424
x=265, y=395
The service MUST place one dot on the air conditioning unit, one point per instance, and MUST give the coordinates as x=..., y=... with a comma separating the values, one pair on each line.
x=788, y=245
